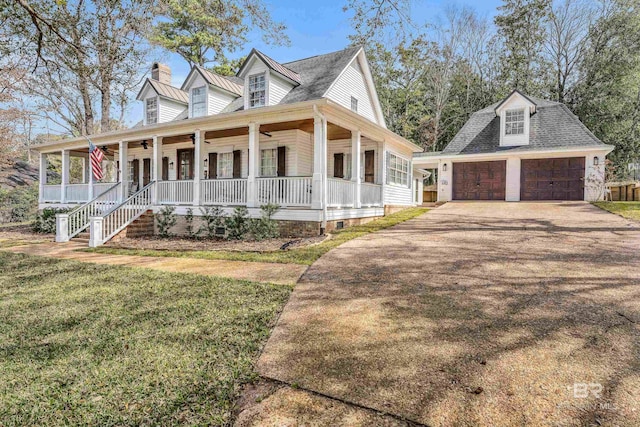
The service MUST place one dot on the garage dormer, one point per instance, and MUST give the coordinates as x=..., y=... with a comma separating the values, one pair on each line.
x=266, y=81
x=515, y=117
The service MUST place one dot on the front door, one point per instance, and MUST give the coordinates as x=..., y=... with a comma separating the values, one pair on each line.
x=185, y=164
x=146, y=171
x=369, y=166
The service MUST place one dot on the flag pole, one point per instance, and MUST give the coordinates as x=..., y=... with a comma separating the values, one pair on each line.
x=91, y=180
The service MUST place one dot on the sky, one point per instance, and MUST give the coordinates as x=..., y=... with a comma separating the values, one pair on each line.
x=314, y=28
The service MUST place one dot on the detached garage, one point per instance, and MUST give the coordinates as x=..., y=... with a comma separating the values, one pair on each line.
x=520, y=149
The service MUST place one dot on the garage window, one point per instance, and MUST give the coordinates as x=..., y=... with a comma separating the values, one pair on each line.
x=398, y=170
x=514, y=122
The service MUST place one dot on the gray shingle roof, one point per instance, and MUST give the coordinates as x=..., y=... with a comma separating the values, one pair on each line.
x=553, y=125
x=276, y=66
x=169, y=91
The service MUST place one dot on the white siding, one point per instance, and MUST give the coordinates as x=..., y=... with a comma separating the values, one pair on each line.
x=399, y=195
x=278, y=89
x=169, y=110
x=352, y=83
x=304, y=150
x=344, y=146
x=218, y=100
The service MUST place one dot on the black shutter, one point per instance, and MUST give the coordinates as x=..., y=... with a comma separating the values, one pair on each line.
x=282, y=161
x=118, y=177
x=370, y=165
x=338, y=165
x=237, y=163
x=213, y=165
x=165, y=169
x=136, y=171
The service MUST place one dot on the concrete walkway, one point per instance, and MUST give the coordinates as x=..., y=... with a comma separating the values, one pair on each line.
x=285, y=274
x=473, y=314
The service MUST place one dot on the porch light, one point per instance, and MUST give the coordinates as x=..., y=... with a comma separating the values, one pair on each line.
x=145, y=144
x=205, y=163
x=596, y=161
x=171, y=165
x=444, y=167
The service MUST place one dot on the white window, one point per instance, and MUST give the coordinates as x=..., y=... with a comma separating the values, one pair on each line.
x=269, y=162
x=398, y=170
x=347, y=166
x=225, y=165
x=152, y=110
x=514, y=122
x=199, y=101
x=354, y=104
x=257, y=91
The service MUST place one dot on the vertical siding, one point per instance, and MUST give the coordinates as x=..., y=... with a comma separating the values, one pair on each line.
x=352, y=83
x=278, y=89
x=169, y=110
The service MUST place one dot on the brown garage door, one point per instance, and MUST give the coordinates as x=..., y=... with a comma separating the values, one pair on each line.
x=479, y=180
x=552, y=179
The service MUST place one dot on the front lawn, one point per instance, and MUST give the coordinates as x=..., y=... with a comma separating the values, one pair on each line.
x=305, y=255
x=86, y=344
x=629, y=210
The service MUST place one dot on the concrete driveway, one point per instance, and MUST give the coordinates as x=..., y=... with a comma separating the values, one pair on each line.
x=473, y=314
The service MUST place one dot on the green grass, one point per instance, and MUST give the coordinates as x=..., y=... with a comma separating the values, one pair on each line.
x=629, y=210
x=305, y=255
x=85, y=344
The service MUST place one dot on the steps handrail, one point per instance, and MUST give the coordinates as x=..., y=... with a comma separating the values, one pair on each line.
x=77, y=208
x=124, y=202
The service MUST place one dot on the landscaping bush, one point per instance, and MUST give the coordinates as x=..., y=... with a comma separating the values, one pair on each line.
x=19, y=204
x=191, y=232
x=213, y=218
x=265, y=227
x=238, y=224
x=45, y=221
x=166, y=219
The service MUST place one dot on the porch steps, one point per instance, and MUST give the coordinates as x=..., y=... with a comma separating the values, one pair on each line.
x=82, y=237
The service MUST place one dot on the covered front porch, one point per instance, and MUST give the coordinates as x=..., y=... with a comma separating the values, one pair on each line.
x=278, y=163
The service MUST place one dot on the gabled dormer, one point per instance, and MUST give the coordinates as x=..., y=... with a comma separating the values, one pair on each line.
x=515, y=113
x=161, y=101
x=266, y=82
x=210, y=93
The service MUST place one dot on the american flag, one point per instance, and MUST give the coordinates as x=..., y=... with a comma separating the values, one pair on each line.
x=96, y=156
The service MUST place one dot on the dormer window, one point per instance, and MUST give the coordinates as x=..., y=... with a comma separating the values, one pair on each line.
x=514, y=122
x=354, y=104
x=257, y=90
x=199, y=101
x=152, y=110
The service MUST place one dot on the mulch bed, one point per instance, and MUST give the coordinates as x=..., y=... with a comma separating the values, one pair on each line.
x=183, y=244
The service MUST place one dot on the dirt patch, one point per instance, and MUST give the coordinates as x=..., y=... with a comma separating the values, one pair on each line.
x=182, y=244
x=13, y=235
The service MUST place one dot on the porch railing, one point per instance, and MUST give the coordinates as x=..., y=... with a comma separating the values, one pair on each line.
x=223, y=191
x=51, y=193
x=284, y=190
x=122, y=215
x=340, y=192
x=370, y=194
x=78, y=193
x=175, y=192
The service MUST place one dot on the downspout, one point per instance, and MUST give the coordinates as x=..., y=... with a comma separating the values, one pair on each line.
x=323, y=222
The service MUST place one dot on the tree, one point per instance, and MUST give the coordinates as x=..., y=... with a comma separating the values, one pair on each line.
x=206, y=31
x=521, y=26
x=381, y=21
x=88, y=56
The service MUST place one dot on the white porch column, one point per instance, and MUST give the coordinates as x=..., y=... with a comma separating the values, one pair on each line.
x=513, y=180
x=43, y=176
x=254, y=162
x=318, y=196
x=123, y=148
x=355, y=167
x=382, y=170
x=156, y=167
x=65, y=176
x=197, y=167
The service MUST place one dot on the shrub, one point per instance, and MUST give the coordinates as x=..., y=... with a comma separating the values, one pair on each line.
x=19, y=204
x=166, y=219
x=238, y=223
x=265, y=227
x=45, y=221
x=189, y=220
x=213, y=218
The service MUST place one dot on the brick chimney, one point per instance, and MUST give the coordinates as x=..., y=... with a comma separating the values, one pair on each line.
x=161, y=73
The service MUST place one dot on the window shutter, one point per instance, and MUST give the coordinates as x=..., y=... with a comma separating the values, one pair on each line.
x=118, y=177
x=165, y=169
x=237, y=163
x=282, y=161
x=338, y=165
x=387, y=162
x=136, y=171
x=213, y=165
